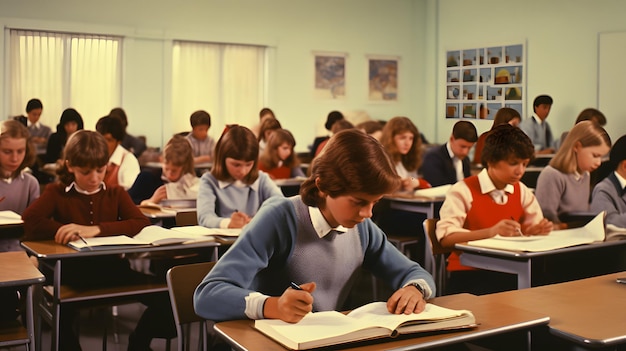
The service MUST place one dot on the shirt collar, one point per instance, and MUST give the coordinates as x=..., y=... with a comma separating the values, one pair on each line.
x=537, y=119
x=9, y=180
x=321, y=226
x=31, y=124
x=118, y=155
x=621, y=180
x=487, y=186
x=452, y=156
x=238, y=183
x=84, y=192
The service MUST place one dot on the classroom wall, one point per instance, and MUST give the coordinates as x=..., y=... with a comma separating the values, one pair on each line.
x=562, y=49
x=293, y=30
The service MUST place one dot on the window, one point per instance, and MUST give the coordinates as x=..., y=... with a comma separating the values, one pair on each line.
x=227, y=81
x=64, y=70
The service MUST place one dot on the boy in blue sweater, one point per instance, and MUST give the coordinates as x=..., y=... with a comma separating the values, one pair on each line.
x=321, y=239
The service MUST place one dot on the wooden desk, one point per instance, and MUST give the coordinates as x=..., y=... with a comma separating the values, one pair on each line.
x=494, y=319
x=51, y=256
x=18, y=271
x=588, y=312
x=522, y=263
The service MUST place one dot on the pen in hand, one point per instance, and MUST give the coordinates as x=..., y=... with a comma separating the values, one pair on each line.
x=84, y=241
x=295, y=286
x=519, y=231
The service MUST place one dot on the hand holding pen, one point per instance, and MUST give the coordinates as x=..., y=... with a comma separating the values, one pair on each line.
x=238, y=220
x=295, y=302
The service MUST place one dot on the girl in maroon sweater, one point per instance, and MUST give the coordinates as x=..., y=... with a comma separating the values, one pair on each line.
x=81, y=205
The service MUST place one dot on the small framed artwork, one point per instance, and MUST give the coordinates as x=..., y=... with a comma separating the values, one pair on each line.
x=330, y=75
x=383, y=78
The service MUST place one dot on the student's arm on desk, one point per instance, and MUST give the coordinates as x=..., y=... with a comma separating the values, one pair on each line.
x=38, y=222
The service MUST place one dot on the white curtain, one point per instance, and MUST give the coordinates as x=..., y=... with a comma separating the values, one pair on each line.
x=64, y=70
x=227, y=81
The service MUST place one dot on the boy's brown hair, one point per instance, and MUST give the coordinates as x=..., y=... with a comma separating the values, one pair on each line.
x=352, y=162
x=179, y=153
x=200, y=118
x=239, y=143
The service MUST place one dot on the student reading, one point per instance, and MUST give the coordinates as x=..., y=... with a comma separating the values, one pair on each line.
x=489, y=203
x=81, y=205
x=320, y=239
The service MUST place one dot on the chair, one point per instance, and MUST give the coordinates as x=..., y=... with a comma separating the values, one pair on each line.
x=186, y=218
x=440, y=254
x=403, y=243
x=181, y=284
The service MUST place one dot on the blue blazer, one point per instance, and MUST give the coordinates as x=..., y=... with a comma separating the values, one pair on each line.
x=437, y=167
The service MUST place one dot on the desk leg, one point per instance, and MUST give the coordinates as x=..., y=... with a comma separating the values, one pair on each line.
x=521, y=268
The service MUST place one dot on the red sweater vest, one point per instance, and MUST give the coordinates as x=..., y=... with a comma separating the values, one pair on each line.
x=485, y=213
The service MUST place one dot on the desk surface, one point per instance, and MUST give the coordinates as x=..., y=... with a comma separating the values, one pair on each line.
x=48, y=249
x=494, y=318
x=18, y=270
x=587, y=311
x=523, y=255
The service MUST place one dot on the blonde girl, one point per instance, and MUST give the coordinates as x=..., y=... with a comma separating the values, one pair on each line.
x=564, y=185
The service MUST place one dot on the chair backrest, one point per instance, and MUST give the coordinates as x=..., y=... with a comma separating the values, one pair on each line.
x=439, y=255
x=430, y=226
x=186, y=218
x=181, y=284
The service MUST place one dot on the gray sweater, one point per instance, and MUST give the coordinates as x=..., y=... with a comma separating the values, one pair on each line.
x=610, y=197
x=559, y=193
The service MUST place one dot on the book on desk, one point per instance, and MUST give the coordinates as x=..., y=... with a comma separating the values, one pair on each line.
x=157, y=236
x=371, y=321
x=9, y=217
x=557, y=239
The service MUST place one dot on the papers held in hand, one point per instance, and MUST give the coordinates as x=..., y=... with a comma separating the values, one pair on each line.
x=156, y=236
x=370, y=321
x=434, y=192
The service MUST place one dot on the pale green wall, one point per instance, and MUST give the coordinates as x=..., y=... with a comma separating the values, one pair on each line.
x=294, y=29
x=562, y=48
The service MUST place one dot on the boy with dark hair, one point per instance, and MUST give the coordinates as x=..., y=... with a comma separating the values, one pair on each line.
x=537, y=128
x=201, y=142
x=123, y=167
x=448, y=164
x=489, y=203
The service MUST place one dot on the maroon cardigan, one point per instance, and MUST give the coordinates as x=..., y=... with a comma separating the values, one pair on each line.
x=111, y=209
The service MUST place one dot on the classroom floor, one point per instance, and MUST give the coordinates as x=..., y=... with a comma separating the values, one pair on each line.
x=93, y=321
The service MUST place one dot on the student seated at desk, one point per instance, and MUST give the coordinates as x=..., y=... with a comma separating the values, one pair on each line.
x=232, y=192
x=18, y=189
x=320, y=240
x=564, y=185
x=448, y=163
x=123, y=167
x=609, y=195
x=402, y=142
x=70, y=122
x=278, y=159
x=202, y=143
x=504, y=115
x=81, y=205
x=175, y=180
x=492, y=202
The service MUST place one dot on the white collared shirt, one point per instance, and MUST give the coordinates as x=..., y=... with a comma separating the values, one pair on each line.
x=456, y=162
x=82, y=191
x=621, y=180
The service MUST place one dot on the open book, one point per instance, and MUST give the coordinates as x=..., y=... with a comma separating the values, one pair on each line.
x=557, y=239
x=370, y=321
x=154, y=235
x=434, y=192
x=9, y=217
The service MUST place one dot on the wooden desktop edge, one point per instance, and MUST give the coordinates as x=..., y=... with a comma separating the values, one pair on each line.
x=241, y=333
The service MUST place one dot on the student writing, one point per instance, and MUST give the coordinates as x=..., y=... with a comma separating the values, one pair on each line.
x=320, y=239
x=609, y=195
x=234, y=190
x=278, y=159
x=492, y=202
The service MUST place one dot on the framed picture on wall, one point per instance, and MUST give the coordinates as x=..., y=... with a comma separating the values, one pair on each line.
x=383, y=78
x=330, y=75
